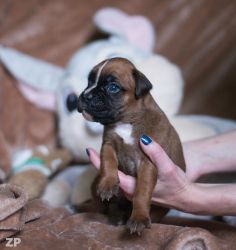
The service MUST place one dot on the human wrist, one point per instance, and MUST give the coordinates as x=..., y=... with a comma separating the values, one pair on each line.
x=186, y=200
x=212, y=154
x=179, y=199
x=197, y=200
x=191, y=200
x=196, y=157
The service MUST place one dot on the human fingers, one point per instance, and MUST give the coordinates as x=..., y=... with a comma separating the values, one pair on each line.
x=157, y=155
x=127, y=183
x=93, y=157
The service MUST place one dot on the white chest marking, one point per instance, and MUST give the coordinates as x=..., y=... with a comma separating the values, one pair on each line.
x=97, y=77
x=125, y=132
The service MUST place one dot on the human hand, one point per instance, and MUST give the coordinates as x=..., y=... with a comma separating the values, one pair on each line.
x=172, y=188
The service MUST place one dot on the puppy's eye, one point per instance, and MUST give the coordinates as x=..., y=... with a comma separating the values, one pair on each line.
x=72, y=102
x=113, y=88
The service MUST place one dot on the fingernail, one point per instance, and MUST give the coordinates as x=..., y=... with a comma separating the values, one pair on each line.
x=145, y=139
x=87, y=151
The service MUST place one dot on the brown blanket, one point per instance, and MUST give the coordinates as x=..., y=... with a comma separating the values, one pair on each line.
x=197, y=35
x=39, y=227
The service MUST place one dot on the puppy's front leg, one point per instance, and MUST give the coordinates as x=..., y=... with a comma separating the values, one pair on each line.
x=146, y=181
x=109, y=182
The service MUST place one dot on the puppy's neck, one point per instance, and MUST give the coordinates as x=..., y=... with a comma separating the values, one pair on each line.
x=135, y=111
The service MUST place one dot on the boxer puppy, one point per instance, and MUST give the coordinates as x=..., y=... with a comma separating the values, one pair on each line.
x=118, y=96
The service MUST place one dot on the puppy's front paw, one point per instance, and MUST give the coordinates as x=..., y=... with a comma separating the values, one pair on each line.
x=107, y=188
x=137, y=223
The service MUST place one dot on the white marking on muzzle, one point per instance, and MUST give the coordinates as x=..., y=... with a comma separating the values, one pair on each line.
x=97, y=78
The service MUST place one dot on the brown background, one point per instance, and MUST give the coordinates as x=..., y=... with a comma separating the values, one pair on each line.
x=198, y=35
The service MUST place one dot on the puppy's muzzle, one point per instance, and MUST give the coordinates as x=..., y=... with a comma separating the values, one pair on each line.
x=83, y=101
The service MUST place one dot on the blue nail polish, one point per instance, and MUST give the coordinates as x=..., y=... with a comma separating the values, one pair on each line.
x=145, y=139
x=87, y=151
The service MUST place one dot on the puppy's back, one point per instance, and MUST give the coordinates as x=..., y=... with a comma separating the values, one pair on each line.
x=153, y=122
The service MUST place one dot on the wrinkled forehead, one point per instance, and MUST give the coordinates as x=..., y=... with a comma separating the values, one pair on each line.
x=119, y=69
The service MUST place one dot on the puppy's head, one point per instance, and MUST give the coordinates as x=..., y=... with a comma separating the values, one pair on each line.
x=114, y=85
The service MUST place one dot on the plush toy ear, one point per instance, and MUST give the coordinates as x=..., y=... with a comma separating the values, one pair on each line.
x=38, y=80
x=137, y=30
x=142, y=84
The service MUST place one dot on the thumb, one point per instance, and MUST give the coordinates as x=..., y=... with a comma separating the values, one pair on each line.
x=157, y=155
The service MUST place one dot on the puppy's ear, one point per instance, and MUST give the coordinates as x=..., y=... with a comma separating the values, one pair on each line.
x=142, y=84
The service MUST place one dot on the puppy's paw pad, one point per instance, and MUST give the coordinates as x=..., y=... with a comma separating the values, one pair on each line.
x=136, y=224
x=108, y=189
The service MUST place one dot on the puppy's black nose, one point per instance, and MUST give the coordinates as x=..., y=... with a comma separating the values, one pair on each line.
x=87, y=97
x=83, y=101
